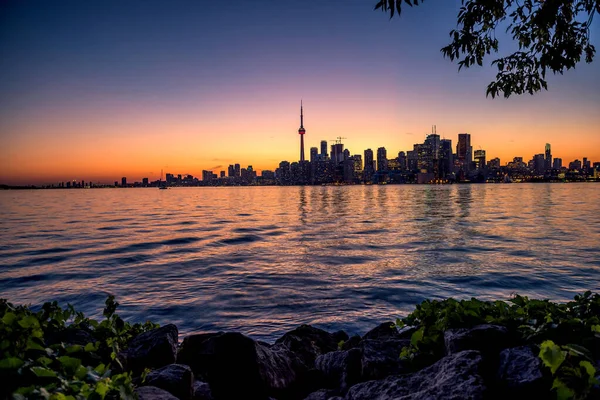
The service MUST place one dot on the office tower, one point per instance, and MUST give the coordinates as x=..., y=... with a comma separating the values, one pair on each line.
x=412, y=159
x=464, y=150
x=548, y=157
x=480, y=159
x=337, y=153
x=402, y=160
x=301, y=132
x=231, y=171
x=346, y=154
x=575, y=165
x=324, y=148
x=368, y=168
x=494, y=163
x=357, y=162
x=539, y=164
x=144, y=181
x=123, y=181
x=381, y=159
x=445, y=158
x=586, y=165
x=314, y=153
x=557, y=164
x=237, y=171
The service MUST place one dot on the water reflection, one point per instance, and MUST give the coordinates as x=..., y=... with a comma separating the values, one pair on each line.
x=264, y=259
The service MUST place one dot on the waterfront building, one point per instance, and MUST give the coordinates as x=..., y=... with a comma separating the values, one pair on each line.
x=237, y=171
x=557, y=164
x=324, y=148
x=123, y=181
x=382, y=162
x=445, y=156
x=464, y=151
x=402, y=161
x=369, y=169
x=480, y=160
x=314, y=153
x=548, y=157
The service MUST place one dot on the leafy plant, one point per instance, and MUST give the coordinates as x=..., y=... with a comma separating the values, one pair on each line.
x=568, y=334
x=38, y=359
x=552, y=36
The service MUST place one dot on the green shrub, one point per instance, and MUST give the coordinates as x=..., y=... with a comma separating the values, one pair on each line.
x=34, y=363
x=568, y=334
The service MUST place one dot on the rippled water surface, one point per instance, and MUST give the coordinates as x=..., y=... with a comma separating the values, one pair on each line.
x=262, y=260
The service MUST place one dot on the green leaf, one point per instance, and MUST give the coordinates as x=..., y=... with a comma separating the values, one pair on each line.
x=9, y=318
x=552, y=356
x=43, y=372
x=576, y=350
x=45, y=361
x=31, y=345
x=101, y=389
x=29, y=322
x=90, y=347
x=74, y=349
x=100, y=369
x=81, y=372
x=70, y=363
x=58, y=396
x=11, y=363
x=562, y=391
x=589, y=369
x=595, y=328
x=417, y=337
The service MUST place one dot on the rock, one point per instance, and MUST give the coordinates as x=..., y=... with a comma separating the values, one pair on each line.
x=153, y=393
x=453, y=377
x=202, y=391
x=339, y=336
x=322, y=394
x=308, y=343
x=520, y=373
x=341, y=369
x=236, y=366
x=384, y=331
x=351, y=343
x=176, y=379
x=381, y=358
x=152, y=349
x=488, y=339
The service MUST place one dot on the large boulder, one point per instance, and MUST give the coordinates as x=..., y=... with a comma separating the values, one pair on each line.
x=381, y=358
x=176, y=379
x=323, y=394
x=384, y=331
x=341, y=369
x=236, y=366
x=488, y=339
x=453, y=377
x=308, y=343
x=202, y=391
x=351, y=343
x=520, y=373
x=153, y=393
x=152, y=349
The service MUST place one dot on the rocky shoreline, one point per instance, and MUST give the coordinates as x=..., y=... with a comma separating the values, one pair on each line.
x=486, y=361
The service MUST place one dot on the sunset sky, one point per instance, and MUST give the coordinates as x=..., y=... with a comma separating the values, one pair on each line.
x=97, y=90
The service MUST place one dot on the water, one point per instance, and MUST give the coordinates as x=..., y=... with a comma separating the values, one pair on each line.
x=263, y=260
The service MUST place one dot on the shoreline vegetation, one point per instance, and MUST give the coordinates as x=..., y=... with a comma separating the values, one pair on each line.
x=470, y=349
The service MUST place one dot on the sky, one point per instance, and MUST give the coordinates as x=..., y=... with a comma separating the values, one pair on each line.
x=98, y=90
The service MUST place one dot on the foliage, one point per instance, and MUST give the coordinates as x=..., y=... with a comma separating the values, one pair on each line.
x=552, y=35
x=38, y=361
x=568, y=334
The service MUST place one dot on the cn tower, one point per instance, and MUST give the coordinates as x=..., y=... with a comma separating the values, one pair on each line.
x=301, y=132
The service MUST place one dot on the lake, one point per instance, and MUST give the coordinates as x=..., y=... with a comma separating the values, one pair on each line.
x=262, y=260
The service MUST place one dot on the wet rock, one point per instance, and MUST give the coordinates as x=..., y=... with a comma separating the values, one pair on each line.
x=152, y=349
x=202, y=391
x=488, y=339
x=453, y=377
x=236, y=366
x=381, y=358
x=189, y=349
x=384, y=331
x=520, y=373
x=308, y=343
x=339, y=336
x=351, y=343
x=153, y=393
x=322, y=394
x=341, y=369
x=176, y=379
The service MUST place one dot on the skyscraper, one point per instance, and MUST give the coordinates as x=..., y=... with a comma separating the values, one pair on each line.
x=464, y=151
x=324, y=148
x=301, y=132
x=369, y=170
x=446, y=161
x=381, y=159
x=314, y=152
x=480, y=159
x=557, y=163
x=548, y=159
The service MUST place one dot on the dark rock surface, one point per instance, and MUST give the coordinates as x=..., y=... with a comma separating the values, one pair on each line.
x=152, y=349
x=351, y=343
x=176, y=379
x=308, y=343
x=520, y=373
x=323, y=394
x=236, y=366
x=153, y=393
x=381, y=358
x=341, y=369
x=488, y=339
x=453, y=377
x=202, y=391
x=384, y=331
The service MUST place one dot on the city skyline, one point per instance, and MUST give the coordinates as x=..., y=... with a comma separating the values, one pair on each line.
x=95, y=91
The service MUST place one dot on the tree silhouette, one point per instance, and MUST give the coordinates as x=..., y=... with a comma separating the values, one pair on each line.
x=552, y=35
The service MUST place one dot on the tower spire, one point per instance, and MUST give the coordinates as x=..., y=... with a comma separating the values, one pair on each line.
x=301, y=131
x=301, y=116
